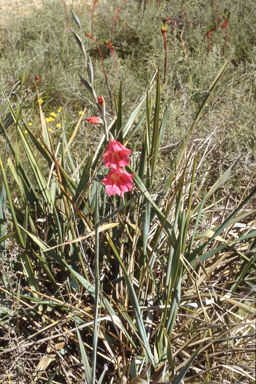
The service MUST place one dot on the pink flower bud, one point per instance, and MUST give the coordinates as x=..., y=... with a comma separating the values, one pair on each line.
x=101, y=100
x=93, y=120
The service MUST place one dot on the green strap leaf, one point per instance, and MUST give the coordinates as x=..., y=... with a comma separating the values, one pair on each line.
x=134, y=301
x=88, y=372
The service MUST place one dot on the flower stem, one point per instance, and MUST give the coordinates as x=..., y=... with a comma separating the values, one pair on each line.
x=165, y=61
x=103, y=67
x=226, y=39
x=118, y=10
x=94, y=3
x=65, y=10
x=208, y=39
x=112, y=52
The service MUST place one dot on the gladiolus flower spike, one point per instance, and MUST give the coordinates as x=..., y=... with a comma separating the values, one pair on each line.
x=118, y=181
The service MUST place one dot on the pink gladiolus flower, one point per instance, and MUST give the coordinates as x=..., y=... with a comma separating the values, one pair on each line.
x=116, y=155
x=93, y=120
x=118, y=182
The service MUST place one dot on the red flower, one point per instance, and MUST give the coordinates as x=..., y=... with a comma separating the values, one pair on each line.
x=94, y=120
x=37, y=80
x=166, y=19
x=109, y=44
x=116, y=155
x=118, y=182
x=101, y=100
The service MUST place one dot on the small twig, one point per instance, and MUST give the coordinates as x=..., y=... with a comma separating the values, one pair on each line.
x=208, y=40
x=94, y=3
x=65, y=11
x=225, y=25
x=188, y=20
x=183, y=45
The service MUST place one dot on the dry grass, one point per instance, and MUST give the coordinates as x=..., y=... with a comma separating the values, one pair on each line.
x=204, y=300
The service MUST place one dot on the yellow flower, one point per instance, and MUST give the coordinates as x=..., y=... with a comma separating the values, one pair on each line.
x=53, y=114
x=49, y=119
x=81, y=112
x=60, y=108
x=30, y=124
x=40, y=101
x=25, y=132
x=58, y=125
x=50, y=130
x=42, y=146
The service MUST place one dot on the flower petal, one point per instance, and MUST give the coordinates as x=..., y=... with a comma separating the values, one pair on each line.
x=116, y=155
x=118, y=182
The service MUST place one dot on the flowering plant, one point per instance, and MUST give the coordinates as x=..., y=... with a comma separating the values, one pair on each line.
x=88, y=256
x=118, y=180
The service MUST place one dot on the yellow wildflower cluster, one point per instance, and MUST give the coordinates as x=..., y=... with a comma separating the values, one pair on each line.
x=52, y=117
x=49, y=119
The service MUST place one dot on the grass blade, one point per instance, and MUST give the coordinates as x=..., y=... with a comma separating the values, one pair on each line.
x=199, y=114
x=134, y=301
x=87, y=368
x=183, y=371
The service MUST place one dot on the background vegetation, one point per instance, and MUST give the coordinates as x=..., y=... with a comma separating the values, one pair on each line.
x=185, y=248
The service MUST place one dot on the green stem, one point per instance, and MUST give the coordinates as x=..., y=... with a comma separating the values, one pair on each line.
x=95, y=334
